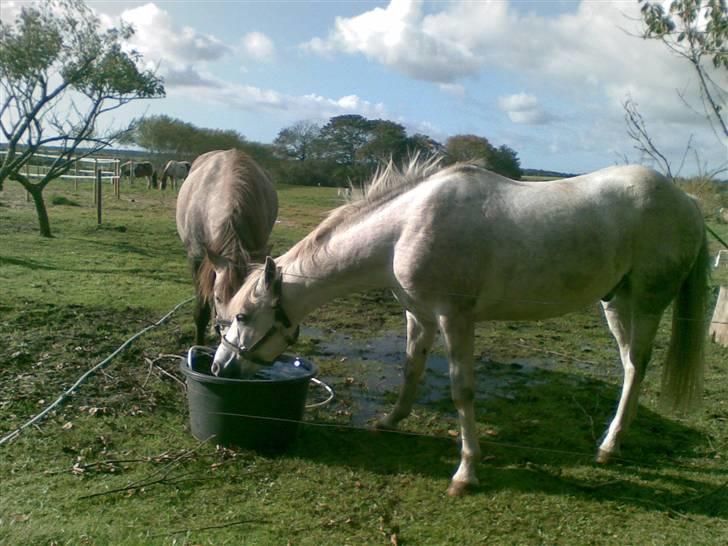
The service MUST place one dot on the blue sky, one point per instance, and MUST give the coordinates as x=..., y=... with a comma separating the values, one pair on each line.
x=547, y=78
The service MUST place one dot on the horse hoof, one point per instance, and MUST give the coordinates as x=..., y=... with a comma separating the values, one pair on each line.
x=458, y=488
x=603, y=456
x=384, y=424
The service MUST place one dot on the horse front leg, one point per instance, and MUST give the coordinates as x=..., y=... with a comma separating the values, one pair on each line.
x=203, y=310
x=420, y=336
x=458, y=333
x=201, y=315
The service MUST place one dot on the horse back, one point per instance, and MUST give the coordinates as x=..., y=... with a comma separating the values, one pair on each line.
x=571, y=240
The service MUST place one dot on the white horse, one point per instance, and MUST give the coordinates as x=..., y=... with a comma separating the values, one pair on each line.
x=462, y=244
x=176, y=170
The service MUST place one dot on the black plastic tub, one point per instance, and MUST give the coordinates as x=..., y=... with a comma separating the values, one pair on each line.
x=260, y=414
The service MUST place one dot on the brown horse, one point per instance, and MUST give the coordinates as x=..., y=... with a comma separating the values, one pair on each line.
x=226, y=209
x=141, y=168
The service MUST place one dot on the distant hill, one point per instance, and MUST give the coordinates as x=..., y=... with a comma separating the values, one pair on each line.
x=550, y=174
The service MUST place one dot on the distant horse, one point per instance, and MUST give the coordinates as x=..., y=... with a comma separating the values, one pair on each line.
x=226, y=209
x=176, y=170
x=141, y=168
x=344, y=192
x=461, y=245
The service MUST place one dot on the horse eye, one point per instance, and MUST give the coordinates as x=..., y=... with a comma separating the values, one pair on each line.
x=242, y=317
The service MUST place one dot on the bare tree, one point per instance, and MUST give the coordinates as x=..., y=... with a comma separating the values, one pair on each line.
x=59, y=73
x=643, y=143
x=696, y=30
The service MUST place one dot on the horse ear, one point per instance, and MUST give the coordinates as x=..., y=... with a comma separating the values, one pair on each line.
x=272, y=274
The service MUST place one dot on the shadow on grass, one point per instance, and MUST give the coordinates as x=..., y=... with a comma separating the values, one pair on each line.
x=545, y=441
x=154, y=274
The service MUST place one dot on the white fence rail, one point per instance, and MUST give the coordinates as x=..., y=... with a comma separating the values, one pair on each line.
x=107, y=169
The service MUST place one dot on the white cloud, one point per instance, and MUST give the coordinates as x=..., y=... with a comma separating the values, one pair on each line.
x=258, y=46
x=591, y=51
x=159, y=40
x=252, y=98
x=187, y=76
x=395, y=37
x=524, y=108
x=185, y=57
x=588, y=60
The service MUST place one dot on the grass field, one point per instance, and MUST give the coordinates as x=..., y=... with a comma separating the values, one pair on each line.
x=116, y=464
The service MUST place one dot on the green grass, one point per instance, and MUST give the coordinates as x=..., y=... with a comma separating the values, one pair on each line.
x=546, y=390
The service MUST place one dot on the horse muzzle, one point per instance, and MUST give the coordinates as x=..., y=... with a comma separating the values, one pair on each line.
x=224, y=361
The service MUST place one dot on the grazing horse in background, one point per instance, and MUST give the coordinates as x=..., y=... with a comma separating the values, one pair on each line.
x=461, y=245
x=226, y=209
x=176, y=170
x=141, y=168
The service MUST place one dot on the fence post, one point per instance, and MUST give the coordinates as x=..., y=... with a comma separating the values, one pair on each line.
x=98, y=196
x=75, y=175
x=131, y=171
x=117, y=178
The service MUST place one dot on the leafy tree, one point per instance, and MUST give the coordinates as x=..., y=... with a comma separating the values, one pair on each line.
x=165, y=135
x=59, y=73
x=468, y=148
x=159, y=134
x=298, y=141
x=423, y=145
x=504, y=160
x=342, y=137
x=696, y=30
x=174, y=138
x=386, y=140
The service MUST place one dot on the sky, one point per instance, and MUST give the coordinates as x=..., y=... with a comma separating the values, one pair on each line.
x=545, y=77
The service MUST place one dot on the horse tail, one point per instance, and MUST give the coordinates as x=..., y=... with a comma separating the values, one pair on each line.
x=682, y=375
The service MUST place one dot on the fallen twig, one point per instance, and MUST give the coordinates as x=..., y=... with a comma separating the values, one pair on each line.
x=208, y=527
x=147, y=481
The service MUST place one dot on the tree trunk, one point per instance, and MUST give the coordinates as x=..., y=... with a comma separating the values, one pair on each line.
x=719, y=322
x=40, y=208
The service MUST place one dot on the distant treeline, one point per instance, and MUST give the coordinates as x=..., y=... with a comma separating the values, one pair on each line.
x=345, y=150
x=547, y=174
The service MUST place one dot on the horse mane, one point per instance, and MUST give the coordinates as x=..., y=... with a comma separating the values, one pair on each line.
x=389, y=181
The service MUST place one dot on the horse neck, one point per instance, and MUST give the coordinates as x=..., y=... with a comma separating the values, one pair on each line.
x=351, y=259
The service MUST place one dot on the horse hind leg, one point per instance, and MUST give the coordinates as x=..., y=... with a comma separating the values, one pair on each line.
x=420, y=336
x=634, y=331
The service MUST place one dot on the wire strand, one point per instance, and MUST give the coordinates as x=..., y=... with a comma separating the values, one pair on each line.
x=492, y=299
x=90, y=372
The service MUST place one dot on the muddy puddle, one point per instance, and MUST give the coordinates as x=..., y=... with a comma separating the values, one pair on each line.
x=371, y=370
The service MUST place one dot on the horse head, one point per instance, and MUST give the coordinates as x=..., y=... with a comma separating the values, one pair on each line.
x=258, y=329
